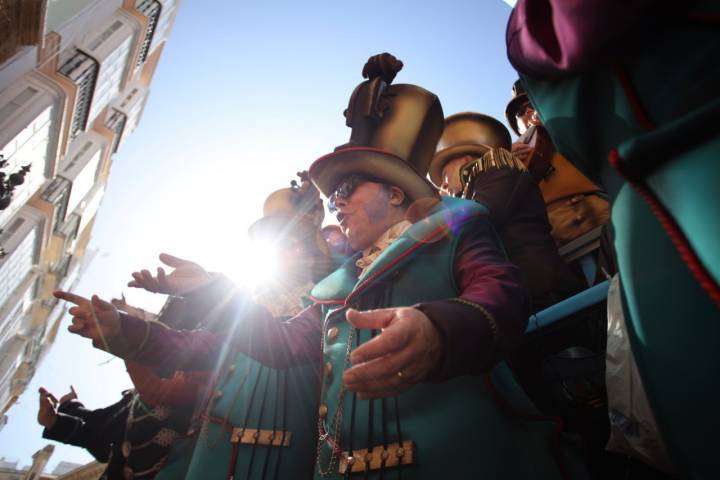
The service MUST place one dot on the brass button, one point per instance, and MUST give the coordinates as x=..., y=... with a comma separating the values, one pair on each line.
x=323, y=410
x=231, y=369
x=217, y=394
x=350, y=460
x=328, y=368
x=126, y=448
x=332, y=333
x=400, y=453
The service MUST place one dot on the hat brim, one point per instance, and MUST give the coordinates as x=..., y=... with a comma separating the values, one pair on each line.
x=511, y=110
x=328, y=171
x=442, y=158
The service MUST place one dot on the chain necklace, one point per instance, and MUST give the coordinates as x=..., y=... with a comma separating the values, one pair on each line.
x=323, y=434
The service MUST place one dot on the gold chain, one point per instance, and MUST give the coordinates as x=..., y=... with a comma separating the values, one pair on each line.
x=322, y=437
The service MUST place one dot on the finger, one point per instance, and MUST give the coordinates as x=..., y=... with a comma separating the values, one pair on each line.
x=161, y=280
x=72, y=390
x=42, y=391
x=148, y=281
x=78, y=326
x=101, y=304
x=78, y=311
x=380, y=369
x=390, y=340
x=371, y=318
x=70, y=297
x=135, y=284
x=52, y=398
x=173, y=261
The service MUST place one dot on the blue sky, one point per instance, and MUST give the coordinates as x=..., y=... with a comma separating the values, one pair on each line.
x=246, y=94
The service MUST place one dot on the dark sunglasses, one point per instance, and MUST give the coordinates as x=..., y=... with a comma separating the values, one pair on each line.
x=344, y=190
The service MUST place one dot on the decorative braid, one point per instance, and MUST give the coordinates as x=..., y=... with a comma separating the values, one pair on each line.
x=671, y=227
x=495, y=158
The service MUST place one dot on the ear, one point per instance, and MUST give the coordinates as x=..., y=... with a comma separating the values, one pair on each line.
x=397, y=196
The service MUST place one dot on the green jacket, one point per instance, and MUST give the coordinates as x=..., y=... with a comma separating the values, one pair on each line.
x=467, y=427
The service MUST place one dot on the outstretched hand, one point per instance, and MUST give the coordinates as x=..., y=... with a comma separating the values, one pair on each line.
x=95, y=319
x=47, y=415
x=402, y=355
x=185, y=277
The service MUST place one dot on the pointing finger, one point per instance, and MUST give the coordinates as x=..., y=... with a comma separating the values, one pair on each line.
x=70, y=297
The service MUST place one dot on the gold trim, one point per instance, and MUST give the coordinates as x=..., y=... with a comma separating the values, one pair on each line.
x=254, y=436
x=379, y=457
x=488, y=316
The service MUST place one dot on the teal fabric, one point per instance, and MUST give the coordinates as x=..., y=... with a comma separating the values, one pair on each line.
x=461, y=428
x=674, y=325
x=251, y=397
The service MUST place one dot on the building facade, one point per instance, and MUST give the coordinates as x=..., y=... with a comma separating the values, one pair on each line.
x=74, y=79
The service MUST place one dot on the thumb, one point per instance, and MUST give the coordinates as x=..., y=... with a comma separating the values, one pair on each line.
x=72, y=390
x=371, y=318
x=173, y=261
x=101, y=304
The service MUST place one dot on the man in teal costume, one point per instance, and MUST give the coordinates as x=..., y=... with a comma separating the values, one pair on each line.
x=629, y=93
x=414, y=327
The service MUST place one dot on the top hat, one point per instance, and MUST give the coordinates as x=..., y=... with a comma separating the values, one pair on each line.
x=296, y=212
x=394, y=132
x=519, y=97
x=467, y=133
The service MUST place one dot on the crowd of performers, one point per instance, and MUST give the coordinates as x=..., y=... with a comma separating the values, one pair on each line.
x=395, y=345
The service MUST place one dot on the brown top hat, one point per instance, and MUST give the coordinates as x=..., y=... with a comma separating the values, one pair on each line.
x=394, y=132
x=519, y=97
x=467, y=133
x=296, y=211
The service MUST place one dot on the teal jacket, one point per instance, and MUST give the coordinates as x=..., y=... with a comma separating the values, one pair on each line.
x=466, y=427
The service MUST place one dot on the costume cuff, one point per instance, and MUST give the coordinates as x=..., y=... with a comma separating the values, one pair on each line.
x=470, y=337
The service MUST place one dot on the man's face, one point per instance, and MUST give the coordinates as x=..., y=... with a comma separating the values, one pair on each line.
x=451, y=183
x=365, y=214
x=527, y=117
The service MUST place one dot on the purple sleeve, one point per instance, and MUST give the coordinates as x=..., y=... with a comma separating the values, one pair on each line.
x=251, y=329
x=489, y=317
x=549, y=38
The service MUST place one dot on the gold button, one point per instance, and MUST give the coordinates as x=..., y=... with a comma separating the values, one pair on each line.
x=350, y=460
x=332, y=333
x=328, y=369
x=126, y=448
x=231, y=368
x=323, y=410
x=217, y=394
x=400, y=453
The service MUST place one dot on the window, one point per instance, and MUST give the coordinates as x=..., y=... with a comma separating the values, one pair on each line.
x=151, y=9
x=82, y=69
x=116, y=123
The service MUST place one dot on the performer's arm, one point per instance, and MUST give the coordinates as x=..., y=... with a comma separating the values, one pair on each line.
x=489, y=317
x=95, y=432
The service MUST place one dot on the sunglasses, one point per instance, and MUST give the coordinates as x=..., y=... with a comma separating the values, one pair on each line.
x=344, y=190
